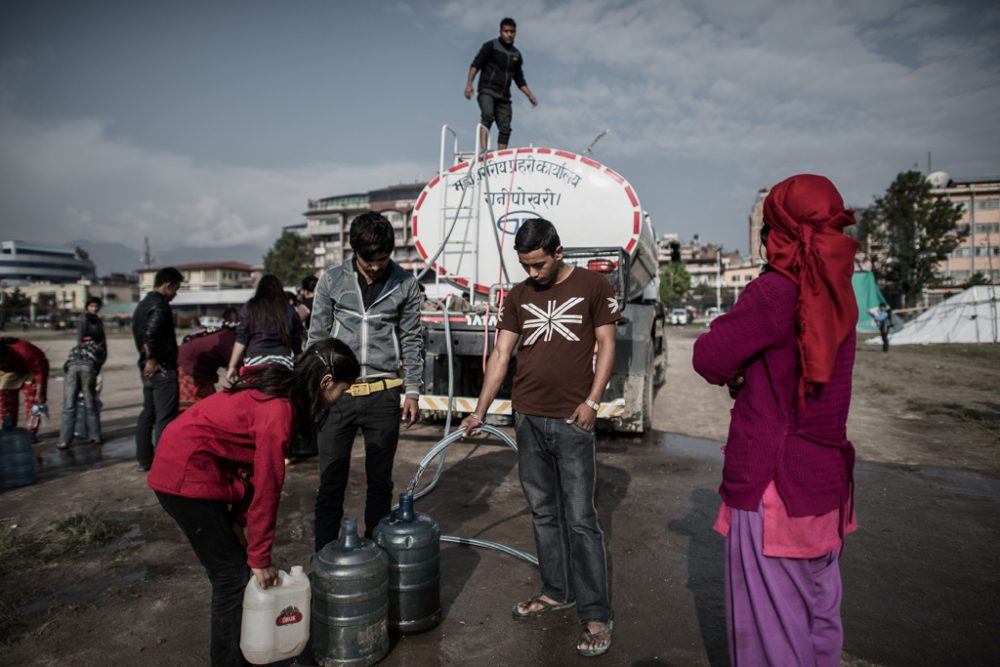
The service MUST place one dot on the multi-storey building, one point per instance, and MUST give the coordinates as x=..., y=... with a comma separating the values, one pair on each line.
x=73, y=296
x=205, y=276
x=22, y=263
x=703, y=261
x=979, y=252
x=328, y=223
x=756, y=220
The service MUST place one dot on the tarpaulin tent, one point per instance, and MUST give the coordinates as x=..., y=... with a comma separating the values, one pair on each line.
x=967, y=317
x=869, y=297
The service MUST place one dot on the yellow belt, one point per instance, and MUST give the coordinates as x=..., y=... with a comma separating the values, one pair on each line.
x=365, y=388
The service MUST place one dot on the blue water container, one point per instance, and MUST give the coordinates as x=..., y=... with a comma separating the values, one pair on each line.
x=17, y=461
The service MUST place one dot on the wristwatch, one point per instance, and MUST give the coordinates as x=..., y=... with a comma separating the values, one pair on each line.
x=593, y=405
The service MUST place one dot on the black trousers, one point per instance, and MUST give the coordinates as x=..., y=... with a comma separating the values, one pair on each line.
x=160, y=400
x=377, y=415
x=499, y=110
x=208, y=525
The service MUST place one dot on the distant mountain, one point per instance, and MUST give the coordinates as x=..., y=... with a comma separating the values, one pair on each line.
x=110, y=257
x=119, y=258
x=246, y=253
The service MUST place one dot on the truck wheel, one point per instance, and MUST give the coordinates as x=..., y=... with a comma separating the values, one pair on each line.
x=647, y=405
x=660, y=366
x=647, y=395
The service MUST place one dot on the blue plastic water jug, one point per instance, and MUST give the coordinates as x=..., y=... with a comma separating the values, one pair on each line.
x=17, y=461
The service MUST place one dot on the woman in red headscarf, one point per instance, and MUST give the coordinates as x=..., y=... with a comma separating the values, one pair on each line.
x=786, y=350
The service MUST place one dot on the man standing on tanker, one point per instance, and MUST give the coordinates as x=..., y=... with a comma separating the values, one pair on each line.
x=372, y=304
x=498, y=63
x=559, y=313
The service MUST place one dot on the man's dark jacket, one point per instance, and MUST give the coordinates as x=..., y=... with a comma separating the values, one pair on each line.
x=498, y=64
x=153, y=324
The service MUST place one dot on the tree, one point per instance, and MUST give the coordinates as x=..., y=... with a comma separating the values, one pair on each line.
x=978, y=278
x=913, y=231
x=13, y=303
x=290, y=259
x=704, y=292
x=675, y=283
x=16, y=300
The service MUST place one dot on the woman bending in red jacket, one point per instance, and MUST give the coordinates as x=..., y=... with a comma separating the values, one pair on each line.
x=220, y=466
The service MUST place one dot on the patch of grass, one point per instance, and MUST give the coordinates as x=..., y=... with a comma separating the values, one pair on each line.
x=988, y=418
x=63, y=538
x=882, y=388
x=983, y=354
x=21, y=552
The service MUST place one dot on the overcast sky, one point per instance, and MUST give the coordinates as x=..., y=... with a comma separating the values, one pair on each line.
x=211, y=123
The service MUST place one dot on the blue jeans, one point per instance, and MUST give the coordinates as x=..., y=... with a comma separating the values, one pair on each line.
x=557, y=464
x=80, y=378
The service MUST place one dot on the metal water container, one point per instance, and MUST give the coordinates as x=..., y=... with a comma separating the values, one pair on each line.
x=350, y=601
x=17, y=462
x=413, y=542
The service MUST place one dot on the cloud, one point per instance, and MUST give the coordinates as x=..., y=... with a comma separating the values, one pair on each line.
x=74, y=178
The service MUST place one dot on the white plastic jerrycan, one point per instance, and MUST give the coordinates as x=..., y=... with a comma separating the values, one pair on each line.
x=276, y=619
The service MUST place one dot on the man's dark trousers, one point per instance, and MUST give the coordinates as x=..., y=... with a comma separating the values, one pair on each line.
x=492, y=108
x=160, y=398
x=557, y=464
x=378, y=416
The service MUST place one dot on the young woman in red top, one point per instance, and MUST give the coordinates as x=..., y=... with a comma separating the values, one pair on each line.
x=23, y=367
x=220, y=466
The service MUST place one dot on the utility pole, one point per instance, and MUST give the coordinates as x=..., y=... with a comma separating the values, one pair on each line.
x=718, y=279
x=147, y=254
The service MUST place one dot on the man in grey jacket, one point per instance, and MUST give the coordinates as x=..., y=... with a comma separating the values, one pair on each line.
x=372, y=304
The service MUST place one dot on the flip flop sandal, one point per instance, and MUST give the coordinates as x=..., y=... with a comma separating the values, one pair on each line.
x=546, y=607
x=593, y=638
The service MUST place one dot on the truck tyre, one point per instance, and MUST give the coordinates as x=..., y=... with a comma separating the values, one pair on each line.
x=660, y=360
x=647, y=405
x=647, y=394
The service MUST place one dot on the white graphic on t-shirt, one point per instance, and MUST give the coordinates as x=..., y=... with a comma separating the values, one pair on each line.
x=555, y=319
x=613, y=304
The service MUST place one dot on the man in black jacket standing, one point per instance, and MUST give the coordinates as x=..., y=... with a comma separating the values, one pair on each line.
x=498, y=62
x=156, y=343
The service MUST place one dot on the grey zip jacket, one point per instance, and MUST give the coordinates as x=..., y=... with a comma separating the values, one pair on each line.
x=387, y=337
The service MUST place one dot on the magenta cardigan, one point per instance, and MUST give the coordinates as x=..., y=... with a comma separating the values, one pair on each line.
x=805, y=452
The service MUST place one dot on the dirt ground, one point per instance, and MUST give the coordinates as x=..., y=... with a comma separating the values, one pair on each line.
x=93, y=572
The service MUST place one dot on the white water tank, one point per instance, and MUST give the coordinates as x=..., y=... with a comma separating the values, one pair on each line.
x=939, y=179
x=590, y=205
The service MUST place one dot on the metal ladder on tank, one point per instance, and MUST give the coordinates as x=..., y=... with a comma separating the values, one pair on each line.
x=460, y=208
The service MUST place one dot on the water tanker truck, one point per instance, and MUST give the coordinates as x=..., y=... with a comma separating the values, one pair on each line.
x=464, y=224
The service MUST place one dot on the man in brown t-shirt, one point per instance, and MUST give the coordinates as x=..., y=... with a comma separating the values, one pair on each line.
x=560, y=314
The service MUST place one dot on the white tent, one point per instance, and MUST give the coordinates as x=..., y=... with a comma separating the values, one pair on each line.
x=968, y=317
